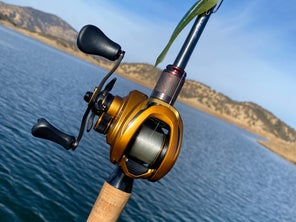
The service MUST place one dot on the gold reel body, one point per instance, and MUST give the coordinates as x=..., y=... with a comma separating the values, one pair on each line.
x=144, y=134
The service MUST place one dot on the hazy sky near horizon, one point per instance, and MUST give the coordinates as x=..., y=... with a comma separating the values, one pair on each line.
x=246, y=52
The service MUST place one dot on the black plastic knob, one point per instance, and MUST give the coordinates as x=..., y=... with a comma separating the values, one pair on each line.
x=43, y=129
x=92, y=40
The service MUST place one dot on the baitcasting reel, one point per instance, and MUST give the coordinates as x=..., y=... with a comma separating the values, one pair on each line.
x=144, y=133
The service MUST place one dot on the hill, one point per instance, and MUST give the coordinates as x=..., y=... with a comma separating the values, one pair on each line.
x=56, y=32
x=37, y=21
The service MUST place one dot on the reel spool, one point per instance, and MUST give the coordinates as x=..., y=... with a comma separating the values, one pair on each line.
x=144, y=134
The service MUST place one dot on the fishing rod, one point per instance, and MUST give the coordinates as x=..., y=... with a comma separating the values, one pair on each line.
x=144, y=133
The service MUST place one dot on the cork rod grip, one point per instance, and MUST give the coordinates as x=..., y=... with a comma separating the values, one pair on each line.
x=109, y=204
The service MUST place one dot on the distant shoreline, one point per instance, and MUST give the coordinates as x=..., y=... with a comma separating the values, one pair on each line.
x=284, y=149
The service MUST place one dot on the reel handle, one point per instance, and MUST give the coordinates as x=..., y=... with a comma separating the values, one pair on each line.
x=43, y=129
x=92, y=40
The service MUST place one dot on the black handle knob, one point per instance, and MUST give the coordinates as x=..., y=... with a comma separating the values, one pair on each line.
x=92, y=40
x=43, y=129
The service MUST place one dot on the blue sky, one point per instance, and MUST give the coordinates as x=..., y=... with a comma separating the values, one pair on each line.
x=246, y=52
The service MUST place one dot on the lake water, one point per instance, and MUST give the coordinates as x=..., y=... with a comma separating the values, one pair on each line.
x=222, y=174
